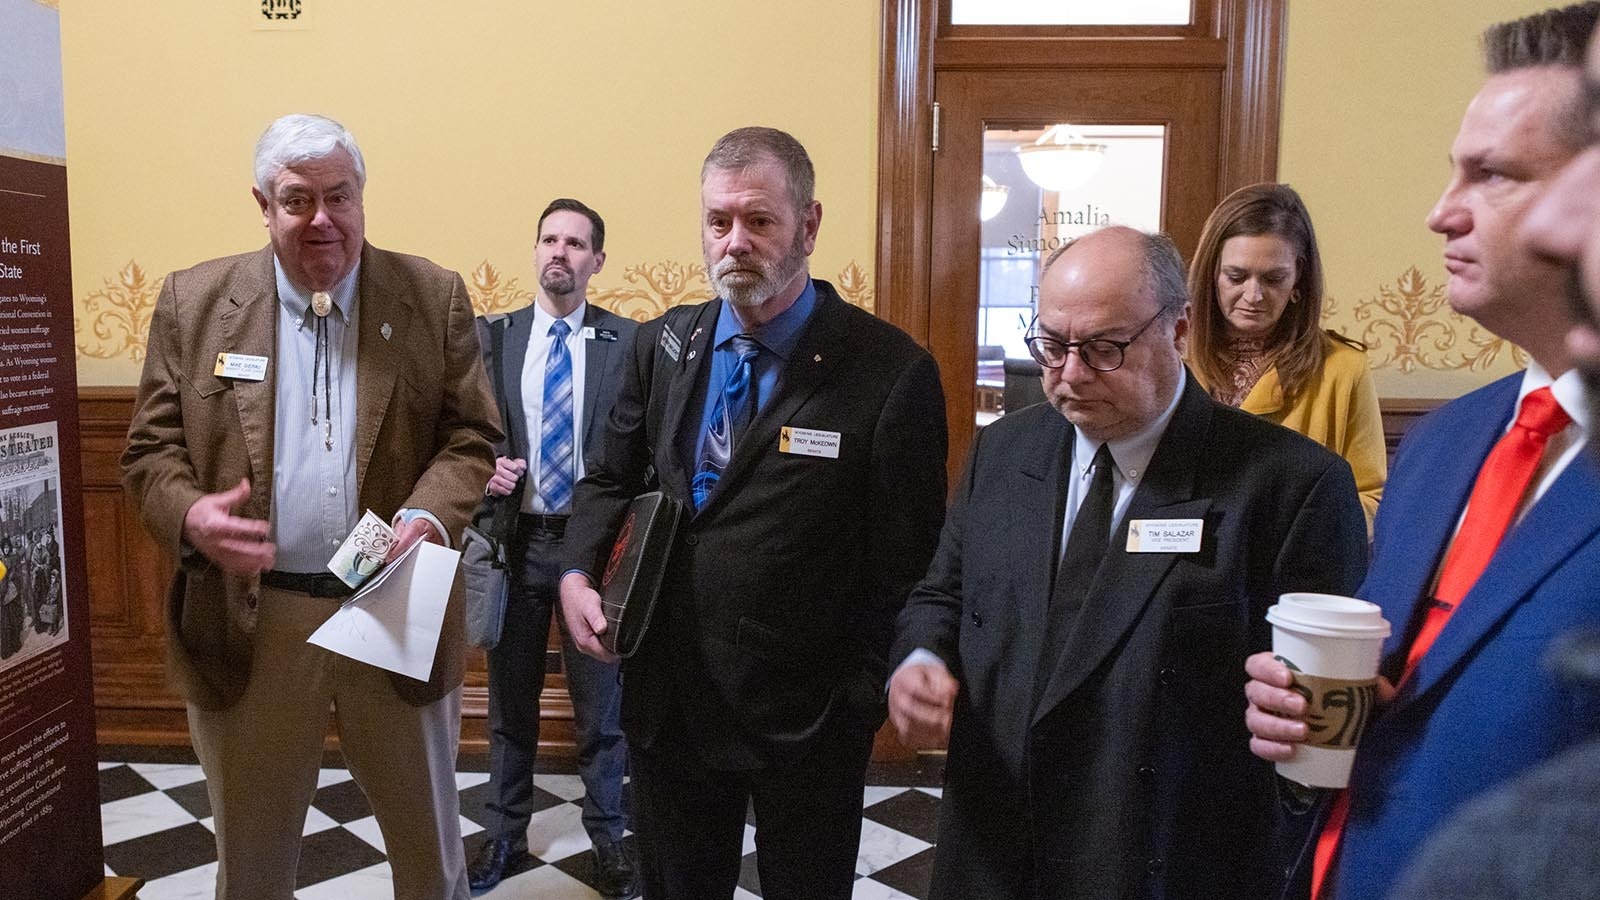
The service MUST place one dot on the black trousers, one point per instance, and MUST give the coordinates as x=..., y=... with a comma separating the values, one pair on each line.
x=516, y=678
x=691, y=821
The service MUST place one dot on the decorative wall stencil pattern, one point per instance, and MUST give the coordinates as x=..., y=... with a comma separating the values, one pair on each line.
x=115, y=320
x=118, y=315
x=492, y=294
x=1408, y=326
x=660, y=285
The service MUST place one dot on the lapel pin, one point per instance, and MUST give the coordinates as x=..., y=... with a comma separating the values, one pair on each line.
x=691, y=352
x=695, y=335
x=817, y=358
x=386, y=331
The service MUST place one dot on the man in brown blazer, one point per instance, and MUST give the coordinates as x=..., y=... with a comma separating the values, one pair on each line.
x=285, y=392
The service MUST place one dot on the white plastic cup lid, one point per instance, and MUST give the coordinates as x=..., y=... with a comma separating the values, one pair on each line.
x=1329, y=615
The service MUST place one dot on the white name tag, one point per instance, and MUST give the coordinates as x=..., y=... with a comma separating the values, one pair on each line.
x=1165, y=535
x=241, y=366
x=809, y=442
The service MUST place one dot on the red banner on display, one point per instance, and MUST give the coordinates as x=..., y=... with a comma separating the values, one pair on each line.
x=49, y=788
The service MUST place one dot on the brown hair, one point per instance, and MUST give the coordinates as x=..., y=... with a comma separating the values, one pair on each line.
x=743, y=147
x=1295, y=346
x=1554, y=37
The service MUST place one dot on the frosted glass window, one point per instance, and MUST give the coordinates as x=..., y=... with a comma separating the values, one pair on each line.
x=1070, y=12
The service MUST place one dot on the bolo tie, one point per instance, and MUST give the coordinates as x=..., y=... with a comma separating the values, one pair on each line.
x=321, y=361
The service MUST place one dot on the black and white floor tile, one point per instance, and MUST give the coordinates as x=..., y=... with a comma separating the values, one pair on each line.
x=157, y=826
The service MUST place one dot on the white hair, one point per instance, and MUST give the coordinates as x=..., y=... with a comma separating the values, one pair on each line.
x=299, y=138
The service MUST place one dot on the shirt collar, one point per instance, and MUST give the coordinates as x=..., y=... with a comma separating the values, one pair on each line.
x=297, y=302
x=542, y=320
x=777, y=336
x=1569, y=391
x=1130, y=454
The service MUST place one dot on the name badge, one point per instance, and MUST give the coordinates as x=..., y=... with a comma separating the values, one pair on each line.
x=808, y=442
x=604, y=334
x=241, y=366
x=671, y=344
x=1165, y=535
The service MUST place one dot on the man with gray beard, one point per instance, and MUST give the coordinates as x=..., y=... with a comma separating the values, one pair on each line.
x=806, y=439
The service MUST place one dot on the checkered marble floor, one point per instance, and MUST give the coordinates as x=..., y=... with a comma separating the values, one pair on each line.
x=157, y=826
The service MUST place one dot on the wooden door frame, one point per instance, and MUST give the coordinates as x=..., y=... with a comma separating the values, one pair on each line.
x=1244, y=39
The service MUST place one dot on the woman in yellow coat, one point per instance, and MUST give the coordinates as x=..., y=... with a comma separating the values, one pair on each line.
x=1256, y=339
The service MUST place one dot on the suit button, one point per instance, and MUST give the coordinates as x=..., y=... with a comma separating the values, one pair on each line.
x=1147, y=772
x=251, y=599
x=977, y=620
x=691, y=540
x=1168, y=675
x=1155, y=866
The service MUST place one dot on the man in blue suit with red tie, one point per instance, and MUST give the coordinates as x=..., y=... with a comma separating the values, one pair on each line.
x=1488, y=538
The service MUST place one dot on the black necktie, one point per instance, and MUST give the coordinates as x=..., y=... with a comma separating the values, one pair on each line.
x=1086, y=549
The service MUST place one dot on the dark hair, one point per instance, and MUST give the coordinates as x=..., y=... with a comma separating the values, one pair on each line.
x=1555, y=37
x=1295, y=346
x=1163, y=267
x=597, y=230
x=744, y=147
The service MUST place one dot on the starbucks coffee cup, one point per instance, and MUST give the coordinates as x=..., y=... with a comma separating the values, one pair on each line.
x=1332, y=645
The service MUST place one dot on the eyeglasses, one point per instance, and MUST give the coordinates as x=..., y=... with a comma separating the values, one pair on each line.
x=1099, y=354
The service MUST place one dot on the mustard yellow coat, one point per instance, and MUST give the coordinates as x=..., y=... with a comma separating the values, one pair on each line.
x=1338, y=410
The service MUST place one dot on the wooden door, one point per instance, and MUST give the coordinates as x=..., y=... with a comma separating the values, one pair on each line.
x=1182, y=106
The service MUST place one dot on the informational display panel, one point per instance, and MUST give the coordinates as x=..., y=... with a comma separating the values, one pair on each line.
x=49, y=790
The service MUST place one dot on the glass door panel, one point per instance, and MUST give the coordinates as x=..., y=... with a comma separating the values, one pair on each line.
x=1039, y=195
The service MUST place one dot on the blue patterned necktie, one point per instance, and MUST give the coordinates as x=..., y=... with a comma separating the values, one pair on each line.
x=729, y=418
x=555, y=446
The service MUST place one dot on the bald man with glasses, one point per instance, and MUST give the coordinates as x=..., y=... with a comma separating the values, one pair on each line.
x=1104, y=571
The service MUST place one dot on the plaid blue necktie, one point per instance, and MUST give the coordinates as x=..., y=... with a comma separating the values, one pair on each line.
x=555, y=447
x=729, y=418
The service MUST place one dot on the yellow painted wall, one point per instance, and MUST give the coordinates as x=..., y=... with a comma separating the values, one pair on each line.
x=1373, y=93
x=471, y=115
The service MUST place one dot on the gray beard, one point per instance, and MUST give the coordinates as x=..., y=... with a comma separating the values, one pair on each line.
x=746, y=294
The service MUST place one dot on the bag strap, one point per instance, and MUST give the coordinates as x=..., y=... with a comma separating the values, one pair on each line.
x=502, y=510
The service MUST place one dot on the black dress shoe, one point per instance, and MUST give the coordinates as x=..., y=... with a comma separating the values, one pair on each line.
x=616, y=876
x=494, y=858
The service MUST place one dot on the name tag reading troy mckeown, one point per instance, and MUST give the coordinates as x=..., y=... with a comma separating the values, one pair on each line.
x=241, y=366
x=1165, y=535
x=809, y=442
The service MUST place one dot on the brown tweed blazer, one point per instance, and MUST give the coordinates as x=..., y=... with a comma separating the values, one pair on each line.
x=425, y=422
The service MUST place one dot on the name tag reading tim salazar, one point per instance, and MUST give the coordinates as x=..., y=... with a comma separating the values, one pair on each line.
x=809, y=442
x=1165, y=535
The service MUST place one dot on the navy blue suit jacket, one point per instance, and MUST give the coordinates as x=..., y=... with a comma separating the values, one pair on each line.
x=1481, y=707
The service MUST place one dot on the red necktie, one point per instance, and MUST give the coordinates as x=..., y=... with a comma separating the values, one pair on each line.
x=1496, y=497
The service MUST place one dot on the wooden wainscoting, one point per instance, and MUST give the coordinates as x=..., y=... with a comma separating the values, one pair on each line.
x=128, y=578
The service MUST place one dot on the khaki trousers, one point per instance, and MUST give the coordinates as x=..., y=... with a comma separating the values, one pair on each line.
x=261, y=757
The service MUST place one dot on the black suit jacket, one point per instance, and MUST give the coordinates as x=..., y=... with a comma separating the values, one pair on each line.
x=604, y=356
x=1131, y=776
x=778, y=604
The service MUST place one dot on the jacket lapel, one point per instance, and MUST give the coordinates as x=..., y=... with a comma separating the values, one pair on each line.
x=596, y=369
x=694, y=360
x=1562, y=520
x=514, y=355
x=1429, y=506
x=378, y=358
x=1126, y=582
x=250, y=327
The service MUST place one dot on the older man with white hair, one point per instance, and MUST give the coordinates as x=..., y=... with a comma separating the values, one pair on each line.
x=280, y=399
